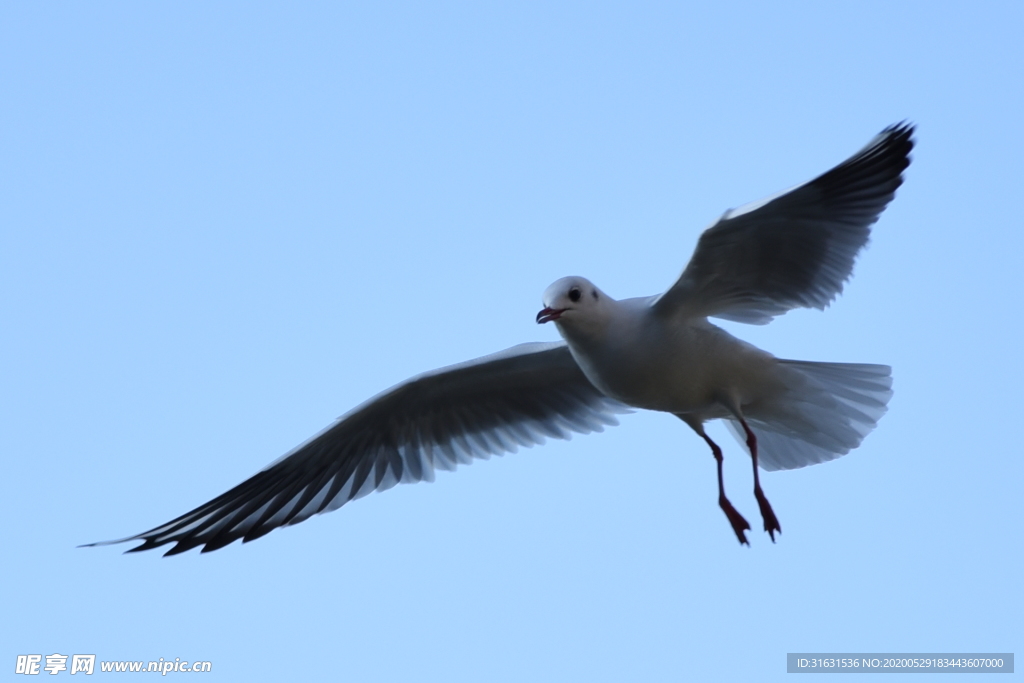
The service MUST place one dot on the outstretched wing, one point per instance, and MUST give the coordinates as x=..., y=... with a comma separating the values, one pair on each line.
x=438, y=420
x=795, y=249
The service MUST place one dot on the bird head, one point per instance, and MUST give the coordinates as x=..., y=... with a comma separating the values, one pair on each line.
x=567, y=298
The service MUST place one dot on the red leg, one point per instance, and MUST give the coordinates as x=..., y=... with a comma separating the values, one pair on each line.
x=771, y=522
x=739, y=524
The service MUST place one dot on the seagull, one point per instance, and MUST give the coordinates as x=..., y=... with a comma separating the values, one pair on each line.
x=795, y=249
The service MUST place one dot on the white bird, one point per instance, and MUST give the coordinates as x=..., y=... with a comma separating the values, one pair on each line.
x=792, y=250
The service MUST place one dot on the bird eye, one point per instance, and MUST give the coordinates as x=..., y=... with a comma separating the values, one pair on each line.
x=574, y=294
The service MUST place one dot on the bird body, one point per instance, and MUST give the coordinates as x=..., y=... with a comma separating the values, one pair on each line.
x=656, y=363
x=795, y=249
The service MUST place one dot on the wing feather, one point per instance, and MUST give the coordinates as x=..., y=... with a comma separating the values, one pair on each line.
x=795, y=249
x=488, y=406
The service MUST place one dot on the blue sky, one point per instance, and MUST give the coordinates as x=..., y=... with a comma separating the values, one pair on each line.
x=223, y=225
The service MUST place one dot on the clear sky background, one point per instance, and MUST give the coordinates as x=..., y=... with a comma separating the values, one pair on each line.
x=222, y=225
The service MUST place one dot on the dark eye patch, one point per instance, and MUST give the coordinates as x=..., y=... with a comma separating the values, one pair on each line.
x=574, y=294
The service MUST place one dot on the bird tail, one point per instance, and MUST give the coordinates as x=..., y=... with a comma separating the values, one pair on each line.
x=825, y=412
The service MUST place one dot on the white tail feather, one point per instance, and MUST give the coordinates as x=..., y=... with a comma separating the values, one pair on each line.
x=826, y=411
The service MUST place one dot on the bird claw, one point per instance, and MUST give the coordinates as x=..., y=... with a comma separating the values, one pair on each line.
x=739, y=524
x=771, y=522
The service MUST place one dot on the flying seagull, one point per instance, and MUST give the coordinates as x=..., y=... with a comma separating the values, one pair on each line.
x=792, y=250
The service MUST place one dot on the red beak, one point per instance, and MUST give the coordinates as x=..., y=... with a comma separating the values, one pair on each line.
x=549, y=314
